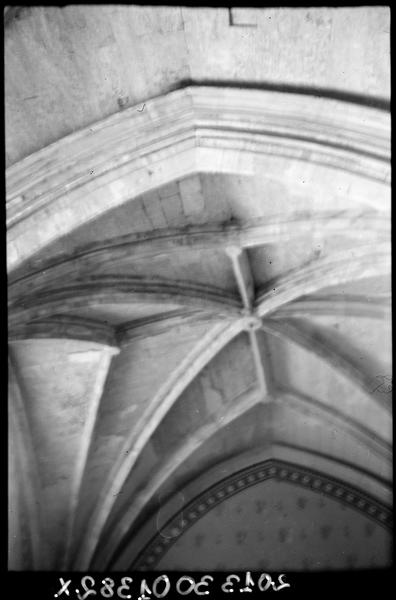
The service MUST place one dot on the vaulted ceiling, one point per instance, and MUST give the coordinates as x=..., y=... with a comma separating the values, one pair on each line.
x=198, y=210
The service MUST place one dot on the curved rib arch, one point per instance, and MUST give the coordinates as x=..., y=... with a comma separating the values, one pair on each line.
x=345, y=305
x=337, y=419
x=218, y=337
x=69, y=183
x=65, y=327
x=122, y=290
x=334, y=270
x=103, y=559
x=315, y=343
x=27, y=467
x=53, y=192
x=249, y=234
x=242, y=404
x=131, y=552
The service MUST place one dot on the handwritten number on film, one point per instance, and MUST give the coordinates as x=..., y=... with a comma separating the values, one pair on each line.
x=161, y=586
x=264, y=583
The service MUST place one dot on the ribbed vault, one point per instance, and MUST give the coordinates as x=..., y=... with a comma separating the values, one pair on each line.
x=195, y=288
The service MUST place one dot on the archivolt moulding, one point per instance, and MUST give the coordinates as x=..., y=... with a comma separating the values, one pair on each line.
x=193, y=130
x=299, y=467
